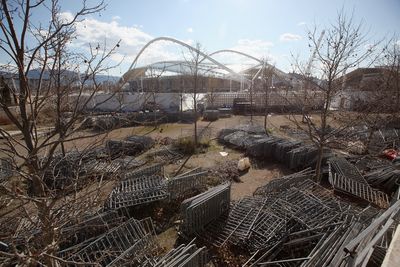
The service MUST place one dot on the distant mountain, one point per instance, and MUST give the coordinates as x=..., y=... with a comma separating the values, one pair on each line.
x=35, y=74
x=7, y=74
x=107, y=78
x=72, y=75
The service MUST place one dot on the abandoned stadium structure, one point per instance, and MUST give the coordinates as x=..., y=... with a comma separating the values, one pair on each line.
x=169, y=84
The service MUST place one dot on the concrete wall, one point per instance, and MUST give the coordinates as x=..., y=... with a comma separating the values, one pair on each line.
x=135, y=101
x=172, y=101
x=350, y=99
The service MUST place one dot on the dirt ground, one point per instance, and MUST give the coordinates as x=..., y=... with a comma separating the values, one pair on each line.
x=172, y=130
x=255, y=178
x=211, y=158
x=208, y=159
x=167, y=239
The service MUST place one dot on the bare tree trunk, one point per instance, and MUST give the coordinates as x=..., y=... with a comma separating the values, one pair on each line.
x=251, y=102
x=265, y=116
x=195, y=109
x=323, y=133
x=194, y=64
x=319, y=163
x=31, y=157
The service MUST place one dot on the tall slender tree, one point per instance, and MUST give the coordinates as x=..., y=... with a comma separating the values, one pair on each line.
x=341, y=49
x=65, y=85
x=193, y=60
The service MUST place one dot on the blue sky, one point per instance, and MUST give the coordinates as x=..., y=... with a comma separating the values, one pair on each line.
x=262, y=28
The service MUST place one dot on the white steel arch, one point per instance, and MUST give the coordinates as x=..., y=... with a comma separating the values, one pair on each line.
x=187, y=46
x=166, y=65
x=205, y=56
x=235, y=52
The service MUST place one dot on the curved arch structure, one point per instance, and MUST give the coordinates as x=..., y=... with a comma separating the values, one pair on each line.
x=235, y=52
x=231, y=74
x=222, y=66
x=260, y=62
x=183, y=67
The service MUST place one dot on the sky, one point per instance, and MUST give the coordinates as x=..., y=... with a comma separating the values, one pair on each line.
x=272, y=29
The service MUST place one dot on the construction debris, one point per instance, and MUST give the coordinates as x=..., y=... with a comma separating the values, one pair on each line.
x=362, y=246
x=63, y=169
x=183, y=255
x=181, y=185
x=90, y=163
x=145, y=172
x=139, y=187
x=386, y=178
x=202, y=209
x=5, y=170
x=342, y=167
x=362, y=191
x=346, y=178
x=211, y=115
x=293, y=154
x=227, y=171
x=279, y=185
x=383, y=139
x=105, y=122
x=149, y=184
x=291, y=222
x=254, y=222
x=128, y=242
x=165, y=154
x=128, y=163
x=234, y=226
x=87, y=227
x=131, y=146
x=95, y=167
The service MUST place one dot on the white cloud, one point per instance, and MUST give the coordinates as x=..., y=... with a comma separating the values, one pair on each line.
x=133, y=38
x=286, y=37
x=65, y=17
x=190, y=30
x=92, y=31
x=116, y=18
x=118, y=57
x=302, y=23
x=256, y=48
x=398, y=42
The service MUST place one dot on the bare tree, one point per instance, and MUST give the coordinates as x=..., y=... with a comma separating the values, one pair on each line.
x=37, y=194
x=154, y=87
x=391, y=62
x=194, y=60
x=211, y=97
x=267, y=75
x=341, y=48
x=181, y=91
